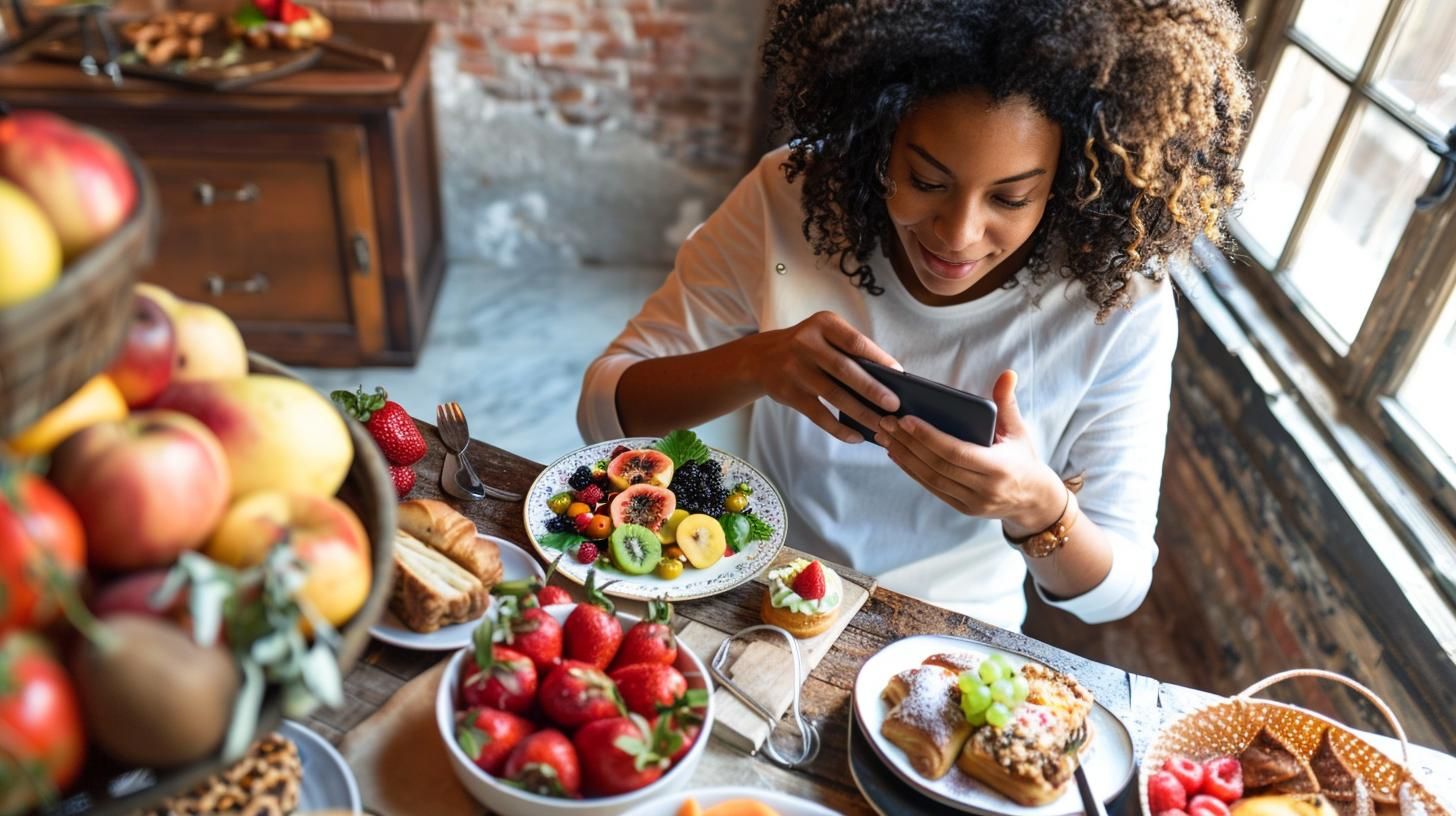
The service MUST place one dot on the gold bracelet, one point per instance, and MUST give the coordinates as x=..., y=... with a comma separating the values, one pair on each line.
x=1048, y=541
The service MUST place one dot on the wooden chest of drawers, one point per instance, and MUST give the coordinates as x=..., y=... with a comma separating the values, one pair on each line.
x=307, y=208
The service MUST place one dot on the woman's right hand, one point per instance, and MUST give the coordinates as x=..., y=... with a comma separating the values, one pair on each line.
x=815, y=358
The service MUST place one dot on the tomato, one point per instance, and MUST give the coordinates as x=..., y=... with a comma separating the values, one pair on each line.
x=38, y=530
x=40, y=722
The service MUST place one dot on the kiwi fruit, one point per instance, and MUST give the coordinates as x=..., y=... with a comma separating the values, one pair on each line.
x=635, y=549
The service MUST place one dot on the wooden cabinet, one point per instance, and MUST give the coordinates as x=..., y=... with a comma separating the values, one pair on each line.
x=307, y=208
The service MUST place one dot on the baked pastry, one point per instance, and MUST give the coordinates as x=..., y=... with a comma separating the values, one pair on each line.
x=925, y=719
x=265, y=782
x=440, y=526
x=1346, y=790
x=958, y=662
x=803, y=597
x=430, y=590
x=1028, y=760
x=1271, y=767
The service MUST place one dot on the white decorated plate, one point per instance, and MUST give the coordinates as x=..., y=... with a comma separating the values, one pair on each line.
x=784, y=804
x=515, y=563
x=328, y=784
x=1108, y=761
x=729, y=572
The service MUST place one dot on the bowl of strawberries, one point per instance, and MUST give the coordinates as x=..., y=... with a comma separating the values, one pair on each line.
x=573, y=709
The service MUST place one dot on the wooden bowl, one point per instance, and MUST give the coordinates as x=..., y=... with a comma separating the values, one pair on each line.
x=108, y=788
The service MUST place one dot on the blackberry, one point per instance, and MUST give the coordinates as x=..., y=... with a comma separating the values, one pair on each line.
x=713, y=468
x=699, y=487
x=580, y=478
x=560, y=524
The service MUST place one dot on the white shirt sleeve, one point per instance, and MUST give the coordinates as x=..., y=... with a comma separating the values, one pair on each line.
x=707, y=300
x=1118, y=433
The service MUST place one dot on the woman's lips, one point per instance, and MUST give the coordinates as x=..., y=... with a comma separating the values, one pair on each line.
x=949, y=270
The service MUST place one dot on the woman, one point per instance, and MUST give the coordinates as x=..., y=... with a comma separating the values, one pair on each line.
x=986, y=193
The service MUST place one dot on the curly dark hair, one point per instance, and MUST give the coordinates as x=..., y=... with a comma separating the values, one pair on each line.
x=1151, y=98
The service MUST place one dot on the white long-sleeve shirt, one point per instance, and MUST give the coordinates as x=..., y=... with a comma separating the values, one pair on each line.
x=1095, y=396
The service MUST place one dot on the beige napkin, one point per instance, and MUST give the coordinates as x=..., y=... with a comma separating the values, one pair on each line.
x=399, y=759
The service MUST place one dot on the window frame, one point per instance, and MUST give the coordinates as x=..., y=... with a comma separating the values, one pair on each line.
x=1368, y=371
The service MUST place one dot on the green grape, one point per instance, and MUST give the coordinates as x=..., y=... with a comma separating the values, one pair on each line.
x=989, y=671
x=1000, y=660
x=1004, y=691
x=1019, y=688
x=998, y=715
x=976, y=698
x=976, y=719
x=967, y=681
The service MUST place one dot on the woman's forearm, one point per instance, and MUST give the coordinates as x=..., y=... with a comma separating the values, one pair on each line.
x=1081, y=564
x=658, y=395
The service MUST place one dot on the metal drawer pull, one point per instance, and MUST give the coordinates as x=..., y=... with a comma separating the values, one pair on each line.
x=256, y=285
x=209, y=195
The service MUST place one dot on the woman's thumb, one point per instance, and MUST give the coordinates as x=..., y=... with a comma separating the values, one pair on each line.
x=1008, y=413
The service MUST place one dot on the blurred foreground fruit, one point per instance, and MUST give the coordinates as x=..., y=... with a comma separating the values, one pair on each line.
x=209, y=346
x=143, y=367
x=41, y=720
x=30, y=253
x=98, y=400
x=41, y=541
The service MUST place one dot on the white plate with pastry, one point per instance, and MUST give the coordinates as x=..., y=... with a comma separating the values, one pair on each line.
x=444, y=570
x=909, y=698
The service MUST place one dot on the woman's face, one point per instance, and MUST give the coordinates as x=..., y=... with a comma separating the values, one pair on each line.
x=970, y=181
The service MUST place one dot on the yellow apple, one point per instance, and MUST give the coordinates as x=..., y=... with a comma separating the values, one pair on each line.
x=209, y=346
x=98, y=400
x=30, y=252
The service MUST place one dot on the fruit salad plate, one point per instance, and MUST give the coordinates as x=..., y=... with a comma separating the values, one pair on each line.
x=627, y=507
x=516, y=563
x=1108, y=759
x=733, y=801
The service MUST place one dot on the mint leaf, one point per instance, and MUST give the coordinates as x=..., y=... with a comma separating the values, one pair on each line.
x=683, y=447
x=737, y=530
x=758, y=529
x=561, y=541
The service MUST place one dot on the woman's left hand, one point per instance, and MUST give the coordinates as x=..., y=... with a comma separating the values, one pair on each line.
x=1007, y=481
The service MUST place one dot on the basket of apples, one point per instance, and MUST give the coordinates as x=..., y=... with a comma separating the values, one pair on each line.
x=573, y=708
x=192, y=546
x=78, y=217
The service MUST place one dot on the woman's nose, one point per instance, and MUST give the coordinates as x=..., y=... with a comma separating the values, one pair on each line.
x=961, y=225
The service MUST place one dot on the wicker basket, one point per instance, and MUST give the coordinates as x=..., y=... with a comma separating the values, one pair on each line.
x=1226, y=727
x=367, y=489
x=52, y=344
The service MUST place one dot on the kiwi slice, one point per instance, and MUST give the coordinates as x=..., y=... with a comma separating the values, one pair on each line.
x=635, y=549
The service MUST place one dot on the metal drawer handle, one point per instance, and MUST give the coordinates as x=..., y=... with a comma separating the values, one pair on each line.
x=256, y=285
x=209, y=195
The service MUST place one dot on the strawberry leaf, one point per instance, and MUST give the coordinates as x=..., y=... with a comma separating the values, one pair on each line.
x=683, y=447
x=471, y=739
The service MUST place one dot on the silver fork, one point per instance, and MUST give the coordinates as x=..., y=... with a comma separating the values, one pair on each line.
x=455, y=433
x=1090, y=803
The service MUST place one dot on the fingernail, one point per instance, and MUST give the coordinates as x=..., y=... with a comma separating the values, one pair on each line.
x=887, y=423
x=852, y=438
x=882, y=440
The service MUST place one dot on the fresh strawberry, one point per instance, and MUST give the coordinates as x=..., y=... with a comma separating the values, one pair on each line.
x=535, y=634
x=500, y=677
x=676, y=728
x=586, y=553
x=809, y=583
x=1165, y=792
x=403, y=477
x=593, y=633
x=645, y=686
x=651, y=640
x=1205, y=805
x=1223, y=779
x=591, y=495
x=576, y=693
x=552, y=595
x=1189, y=773
x=269, y=8
x=290, y=12
x=545, y=763
x=488, y=736
x=387, y=421
x=617, y=756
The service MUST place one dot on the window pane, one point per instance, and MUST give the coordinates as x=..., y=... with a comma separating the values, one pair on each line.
x=1285, y=148
x=1429, y=388
x=1419, y=67
x=1362, y=210
x=1342, y=27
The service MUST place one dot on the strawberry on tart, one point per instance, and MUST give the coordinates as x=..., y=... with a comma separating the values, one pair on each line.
x=803, y=597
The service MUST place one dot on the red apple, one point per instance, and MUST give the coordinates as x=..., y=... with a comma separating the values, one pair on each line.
x=132, y=593
x=324, y=533
x=146, y=487
x=143, y=369
x=79, y=179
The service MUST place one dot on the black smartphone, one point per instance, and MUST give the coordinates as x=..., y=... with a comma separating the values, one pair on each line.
x=967, y=417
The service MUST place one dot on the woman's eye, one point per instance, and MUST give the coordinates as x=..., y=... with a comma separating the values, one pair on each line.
x=1013, y=204
x=922, y=185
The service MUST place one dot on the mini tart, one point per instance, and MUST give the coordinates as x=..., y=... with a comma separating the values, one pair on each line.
x=802, y=618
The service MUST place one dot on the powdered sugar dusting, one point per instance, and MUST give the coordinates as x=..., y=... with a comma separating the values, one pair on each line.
x=931, y=704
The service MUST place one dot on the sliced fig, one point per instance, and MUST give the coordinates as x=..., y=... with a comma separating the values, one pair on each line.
x=639, y=467
x=643, y=504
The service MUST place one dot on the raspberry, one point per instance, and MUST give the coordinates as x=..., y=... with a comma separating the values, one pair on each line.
x=580, y=478
x=1188, y=772
x=586, y=553
x=591, y=495
x=1205, y=805
x=1223, y=779
x=1165, y=792
x=809, y=584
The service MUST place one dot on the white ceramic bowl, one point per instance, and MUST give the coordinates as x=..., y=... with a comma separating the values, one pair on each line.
x=509, y=801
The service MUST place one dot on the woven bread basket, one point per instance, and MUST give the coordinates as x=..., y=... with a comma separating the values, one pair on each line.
x=1226, y=727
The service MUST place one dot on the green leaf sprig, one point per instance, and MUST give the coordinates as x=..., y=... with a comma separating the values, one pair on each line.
x=683, y=447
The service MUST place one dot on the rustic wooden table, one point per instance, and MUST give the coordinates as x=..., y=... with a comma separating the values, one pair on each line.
x=886, y=617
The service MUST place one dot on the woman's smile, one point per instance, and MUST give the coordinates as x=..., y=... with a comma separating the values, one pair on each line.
x=943, y=267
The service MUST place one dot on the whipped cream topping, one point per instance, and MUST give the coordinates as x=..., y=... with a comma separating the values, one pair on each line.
x=781, y=592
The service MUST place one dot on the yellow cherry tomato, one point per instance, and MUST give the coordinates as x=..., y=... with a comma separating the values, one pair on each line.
x=669, y=568
x=736, y=502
